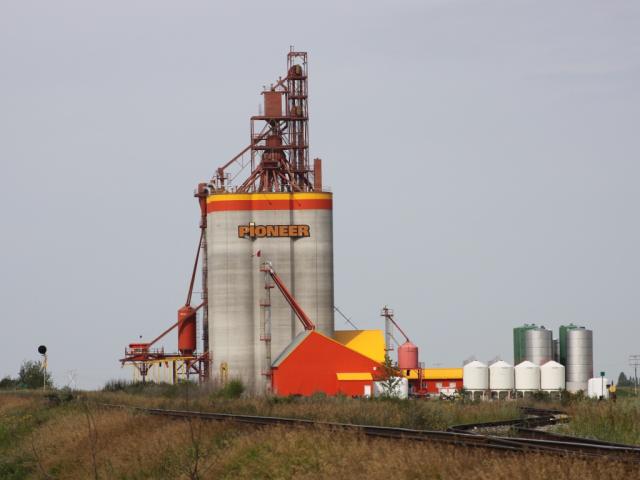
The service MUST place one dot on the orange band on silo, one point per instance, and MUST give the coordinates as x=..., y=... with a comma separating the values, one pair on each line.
x=269, y=201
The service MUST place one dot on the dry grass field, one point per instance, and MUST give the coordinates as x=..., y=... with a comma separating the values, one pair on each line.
x=78, y=439
x=614, y=422
x=410, y=414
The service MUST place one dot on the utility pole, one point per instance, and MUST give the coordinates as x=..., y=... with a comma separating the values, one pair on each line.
x=44, y=373
x=634, y=361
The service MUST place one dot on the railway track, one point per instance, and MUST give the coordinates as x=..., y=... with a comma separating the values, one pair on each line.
x=529, y=435
x=460, y=435
x=532, y=417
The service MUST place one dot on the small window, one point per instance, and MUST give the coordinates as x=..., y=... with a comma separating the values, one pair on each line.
x=367, y=390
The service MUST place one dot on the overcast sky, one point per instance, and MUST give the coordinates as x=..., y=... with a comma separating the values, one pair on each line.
x=484, y=157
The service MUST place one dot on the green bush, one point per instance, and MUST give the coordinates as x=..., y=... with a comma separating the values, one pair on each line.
x=117, y=385
x=275, y=400
x=31, y=375
x=8, y=383
x=233, y=389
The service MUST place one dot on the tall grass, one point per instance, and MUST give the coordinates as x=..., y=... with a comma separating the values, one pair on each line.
x=388, y=412
x=137, y=446
x=149, y=389
x=614, y=422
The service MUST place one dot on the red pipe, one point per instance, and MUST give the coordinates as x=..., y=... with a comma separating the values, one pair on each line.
x=300, y=313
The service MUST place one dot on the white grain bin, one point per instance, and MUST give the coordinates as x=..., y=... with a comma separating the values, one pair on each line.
x=552, y=376
x=396, y=387
x=527, y=377
x=475, y=376
x=597, y=387
x=501, y=376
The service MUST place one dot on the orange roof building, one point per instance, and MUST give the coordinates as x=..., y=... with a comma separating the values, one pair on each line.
x=315, y=363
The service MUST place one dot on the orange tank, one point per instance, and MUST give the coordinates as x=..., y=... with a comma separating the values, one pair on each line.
x=186, y=330
x=274, y=141
x=407, y=356
x=295, y=71
x=272, y=104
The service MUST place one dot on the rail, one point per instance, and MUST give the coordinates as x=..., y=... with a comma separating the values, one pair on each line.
x=456, y=435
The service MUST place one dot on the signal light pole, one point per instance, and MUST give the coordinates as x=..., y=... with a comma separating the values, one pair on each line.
x=42, y=350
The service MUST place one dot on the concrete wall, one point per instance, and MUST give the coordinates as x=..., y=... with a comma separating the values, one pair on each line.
x=236, y=286
x=231, y=296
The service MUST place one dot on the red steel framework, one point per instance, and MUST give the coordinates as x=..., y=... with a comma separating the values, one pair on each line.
x=278, y=154
x=143, y=358
x=307, y=323
x=279, y=141
x=187, y=362
x=270, y=275
x=279, y=159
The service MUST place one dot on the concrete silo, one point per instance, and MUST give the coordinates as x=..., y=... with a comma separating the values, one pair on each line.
x=238, y=243
x=280, y=214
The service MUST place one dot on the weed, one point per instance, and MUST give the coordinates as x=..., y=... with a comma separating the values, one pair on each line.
x=233, y=389
x=614, y=422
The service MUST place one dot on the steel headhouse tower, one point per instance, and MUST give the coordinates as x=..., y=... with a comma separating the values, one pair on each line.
x=279, y=213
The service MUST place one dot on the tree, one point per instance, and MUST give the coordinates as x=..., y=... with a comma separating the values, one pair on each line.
x=389, y=379
x=624, y=381
x=33, y=376
x=8, y=383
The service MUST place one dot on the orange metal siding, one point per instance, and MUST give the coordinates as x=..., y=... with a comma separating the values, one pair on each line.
x=313, y=366
x=434, y=386
x=269, y=201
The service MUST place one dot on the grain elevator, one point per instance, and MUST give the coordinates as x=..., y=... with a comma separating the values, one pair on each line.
x=278, y=213
x=266, y=222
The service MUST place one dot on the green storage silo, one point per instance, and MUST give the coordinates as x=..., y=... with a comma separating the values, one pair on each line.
x=519, y=344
